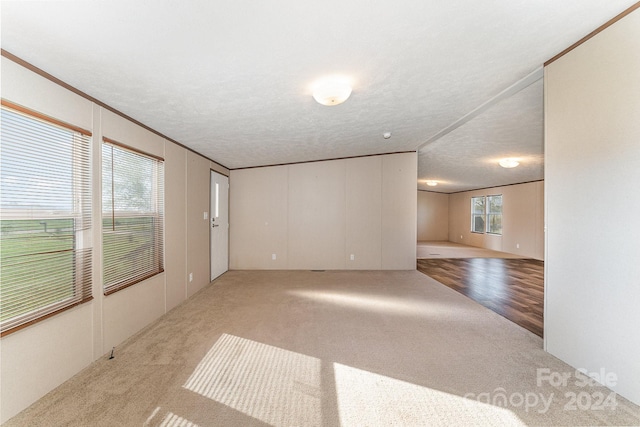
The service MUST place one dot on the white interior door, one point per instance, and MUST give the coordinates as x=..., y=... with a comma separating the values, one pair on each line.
x=219, y=224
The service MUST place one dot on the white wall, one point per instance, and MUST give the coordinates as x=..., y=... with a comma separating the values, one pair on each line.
x=315, y=215
x=364, y=210
x=198, y=195
x=399, y=211
x=175, y=208
x=433, y=216
x=38, y=358
x=592, y=167
x=258, y=206
x=522, y=220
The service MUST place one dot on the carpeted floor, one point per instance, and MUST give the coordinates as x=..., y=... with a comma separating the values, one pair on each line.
x=329, y=348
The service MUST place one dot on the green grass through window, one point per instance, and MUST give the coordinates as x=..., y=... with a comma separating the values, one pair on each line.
x=37, y=259
x=129, y=249
x=36, y=264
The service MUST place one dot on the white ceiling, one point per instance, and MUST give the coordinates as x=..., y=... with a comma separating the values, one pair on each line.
x=512, y=127
x=230, y=79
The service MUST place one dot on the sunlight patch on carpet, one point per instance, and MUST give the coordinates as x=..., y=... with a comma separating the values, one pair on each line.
x=379, y=303
x=365, y=398
x=276, y=386
x=173, y=420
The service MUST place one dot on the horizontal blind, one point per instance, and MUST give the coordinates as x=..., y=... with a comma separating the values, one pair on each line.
x=45, y=217
x=132, y=216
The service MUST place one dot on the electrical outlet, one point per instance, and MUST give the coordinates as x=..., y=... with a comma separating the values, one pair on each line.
x=205, y=215
x=461, y=237
x=273, y=257
x=352, y=257
x=517, y=245
x=191, y=277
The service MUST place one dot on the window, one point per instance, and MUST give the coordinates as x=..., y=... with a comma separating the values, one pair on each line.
x=477, y=214
x=45, y=217
x=494, y=214
x=486, y=214
x=132, y=216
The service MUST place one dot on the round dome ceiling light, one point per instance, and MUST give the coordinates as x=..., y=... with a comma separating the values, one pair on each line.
x=431, y=183
x=332, y=90
x=509, y=163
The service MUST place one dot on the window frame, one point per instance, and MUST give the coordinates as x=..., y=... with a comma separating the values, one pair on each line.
x=475, y=214
x=490, y=214
x=157, y=215
x=79, y=213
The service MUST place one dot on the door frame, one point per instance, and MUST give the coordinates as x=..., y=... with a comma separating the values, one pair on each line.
x=209, y=224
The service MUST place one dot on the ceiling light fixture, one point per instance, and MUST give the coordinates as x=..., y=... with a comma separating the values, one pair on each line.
x=332, y=90
x=431, y=183
x=509, y=163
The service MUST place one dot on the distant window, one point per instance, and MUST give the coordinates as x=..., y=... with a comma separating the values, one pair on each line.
x=45, y=225
x=477, y=214
x=494, y=214
x=132, y=216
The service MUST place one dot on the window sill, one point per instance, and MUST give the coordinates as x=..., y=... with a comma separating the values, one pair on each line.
x=116, y=288
x=46, y=316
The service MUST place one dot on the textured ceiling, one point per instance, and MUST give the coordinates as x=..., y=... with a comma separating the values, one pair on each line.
x=512, y=127
x=230, y=79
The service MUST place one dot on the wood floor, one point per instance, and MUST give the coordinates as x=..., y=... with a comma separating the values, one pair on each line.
x=513, y=288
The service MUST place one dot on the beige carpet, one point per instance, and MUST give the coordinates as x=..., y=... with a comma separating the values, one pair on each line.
x=437, y=249
x=329, y=348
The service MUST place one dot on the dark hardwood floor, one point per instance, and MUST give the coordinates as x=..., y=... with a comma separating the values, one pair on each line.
x=513, y=288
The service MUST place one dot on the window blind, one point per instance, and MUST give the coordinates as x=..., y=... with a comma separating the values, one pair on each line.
x=45, y=217
x=132, y=216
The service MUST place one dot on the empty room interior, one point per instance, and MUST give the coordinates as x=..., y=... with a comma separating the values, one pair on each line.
x=297, y=214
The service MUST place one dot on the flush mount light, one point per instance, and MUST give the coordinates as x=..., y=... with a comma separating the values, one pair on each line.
x=509, y=163
x=332, y=90
x=431, y=183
